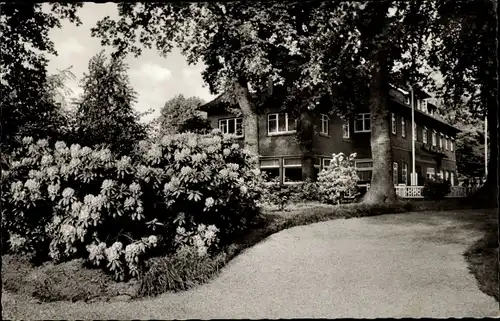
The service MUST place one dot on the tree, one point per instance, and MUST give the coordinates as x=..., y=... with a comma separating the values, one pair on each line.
x=244, y=44
x=25, y=91
x=231, y=39
x=177, y=112
x=466, y=57
x=105, y=113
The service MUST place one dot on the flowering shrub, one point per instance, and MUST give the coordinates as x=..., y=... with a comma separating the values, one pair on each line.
x=339, y=180
x=66, y=202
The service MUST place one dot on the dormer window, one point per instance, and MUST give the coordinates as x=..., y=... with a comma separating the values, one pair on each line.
x=407, y=100
x=424, y=106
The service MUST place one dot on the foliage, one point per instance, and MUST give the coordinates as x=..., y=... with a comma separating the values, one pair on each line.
x=178, y=272
x=339, y=180
x=436, y=188
x=280, y=195
x=179, y=113
x=105, y=110
x=195, y=124
x=71, y=202
x=25, y=90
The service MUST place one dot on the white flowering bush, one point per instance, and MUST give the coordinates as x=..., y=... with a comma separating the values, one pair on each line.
x=338, y=180
x=62, y=202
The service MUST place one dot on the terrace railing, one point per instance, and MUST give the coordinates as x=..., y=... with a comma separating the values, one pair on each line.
x=405, y=191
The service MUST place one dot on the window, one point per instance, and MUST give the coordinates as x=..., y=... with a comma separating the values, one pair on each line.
x=414, y=132
x=395, y=173
x=430, y=172
x=424, y=135
x=346, y=133
x=317, y=166
x=292, y=170
x=407, y=100
x=452, y=178
x=446, y=140
x=447, y=175
x=451, y=143
x=403, y=127
x=404, y=173
x=232, y=126
x=271, y=167
x=326, y=162
x=434, y=138
x=325, y=124
x=441, y=174
x=393, y=124
x=418, y=104
x=364, y=170
x=280, y=123
x=424, y=106
x=441, y=138
x=362, y=123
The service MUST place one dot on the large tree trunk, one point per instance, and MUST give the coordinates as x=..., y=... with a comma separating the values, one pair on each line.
x=250, y=117
x=381, y=186
x=305, y=136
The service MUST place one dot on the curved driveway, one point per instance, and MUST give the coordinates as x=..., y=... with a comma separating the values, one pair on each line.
x=403, y=265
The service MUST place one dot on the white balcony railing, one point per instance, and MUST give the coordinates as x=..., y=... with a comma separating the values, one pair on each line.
x=404, y=191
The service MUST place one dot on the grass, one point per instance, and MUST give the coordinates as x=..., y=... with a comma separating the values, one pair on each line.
x=482, y=258
x=68, y=281
x=71, y=282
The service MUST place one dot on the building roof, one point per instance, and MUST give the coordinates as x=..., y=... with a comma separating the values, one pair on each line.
x=225, y=101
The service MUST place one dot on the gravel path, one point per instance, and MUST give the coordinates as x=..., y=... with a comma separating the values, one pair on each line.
x=403, y=265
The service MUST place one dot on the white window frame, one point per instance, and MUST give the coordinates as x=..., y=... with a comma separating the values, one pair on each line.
x=452, y=142
x=278, y=132
x=395, y=166
x=425, y=135
x=418, y=104
x=424, y=106
x=404, y=173
x=403, y=127
x=290, y=166
x=270, y=166
x=446, y=140
x=363, y=169
x=407, y=99
x=323, y=162
x=364, y=118
x=452, y=178
x=441, y=138
x=434, y=138
x=394, y=121
x=226, y=120
x=317, y=164
x=430, y=171
x=325, y=124
x=346, y=130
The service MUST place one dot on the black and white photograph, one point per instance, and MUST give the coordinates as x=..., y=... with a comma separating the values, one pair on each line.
x=249, y=159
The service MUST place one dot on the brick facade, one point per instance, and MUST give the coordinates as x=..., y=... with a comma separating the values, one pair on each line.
x=276, y=147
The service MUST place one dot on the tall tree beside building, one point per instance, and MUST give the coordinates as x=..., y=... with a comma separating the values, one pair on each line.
x=105, y=113
x=181, y=114
x=26, y=96
x=467, y=59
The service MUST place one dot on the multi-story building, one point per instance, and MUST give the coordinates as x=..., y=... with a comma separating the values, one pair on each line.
x=281, y=156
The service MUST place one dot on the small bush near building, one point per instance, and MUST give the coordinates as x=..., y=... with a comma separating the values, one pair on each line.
x=436, y=188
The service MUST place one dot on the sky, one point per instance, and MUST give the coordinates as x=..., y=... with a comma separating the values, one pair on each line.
x=156, y=79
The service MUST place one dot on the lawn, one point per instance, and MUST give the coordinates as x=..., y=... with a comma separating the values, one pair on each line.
x=483, y=259
x=71, y=282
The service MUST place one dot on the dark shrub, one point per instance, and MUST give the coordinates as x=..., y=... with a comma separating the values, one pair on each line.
x=436, y=188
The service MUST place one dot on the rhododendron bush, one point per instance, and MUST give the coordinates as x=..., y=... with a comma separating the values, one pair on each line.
x=338, y=180
x=62, y=202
